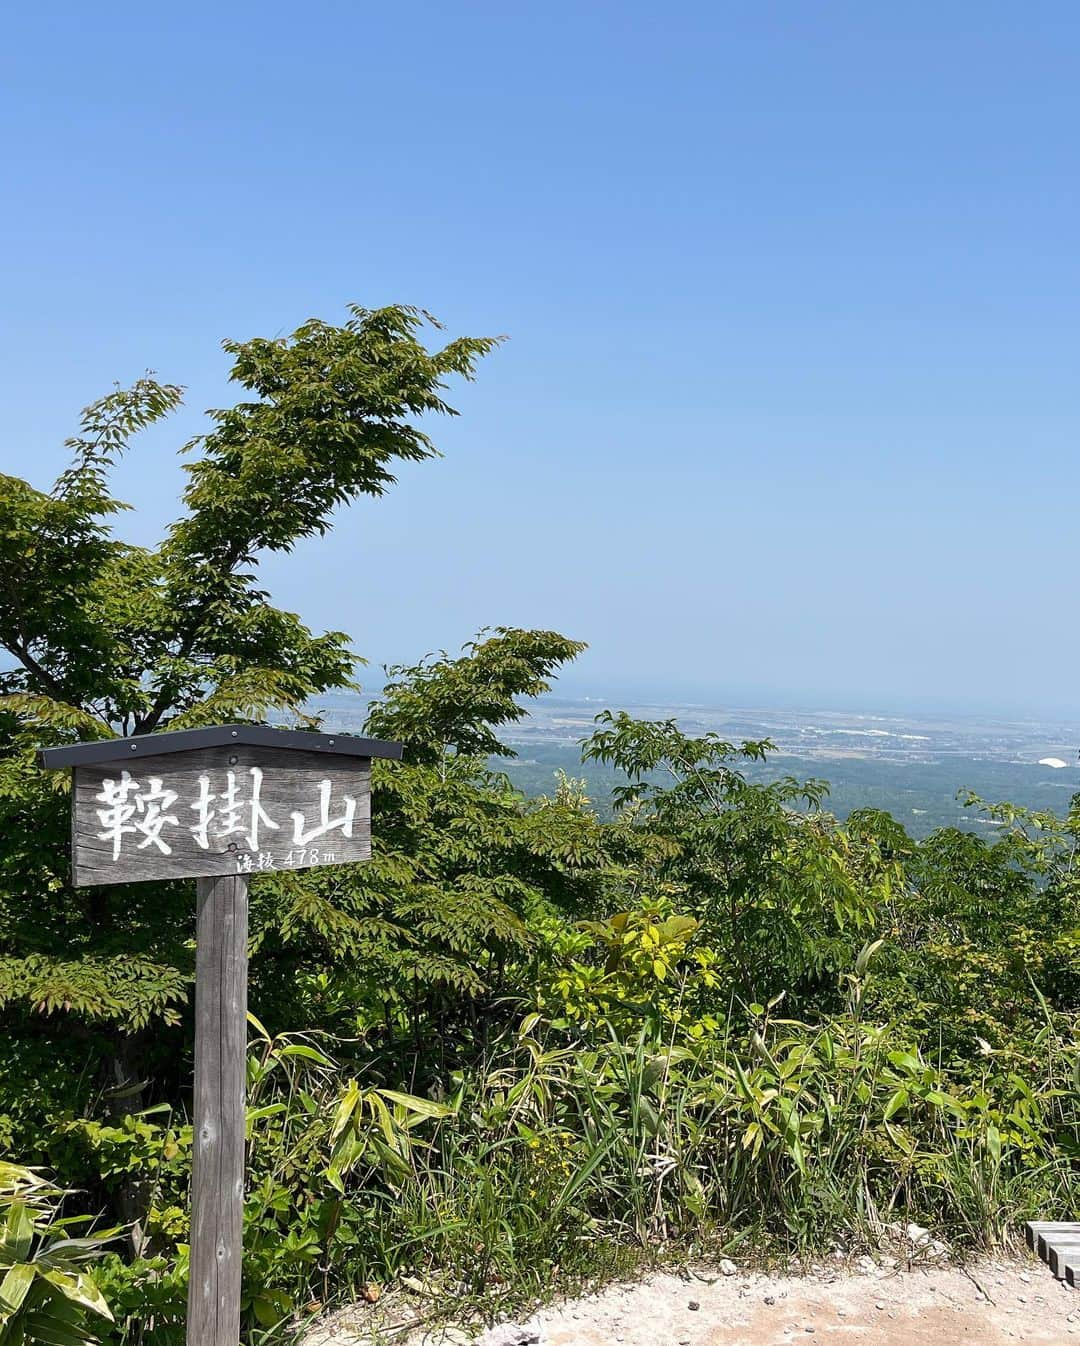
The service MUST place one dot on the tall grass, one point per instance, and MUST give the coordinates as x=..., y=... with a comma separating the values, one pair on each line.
x=563, y=1162
x=570, y=1153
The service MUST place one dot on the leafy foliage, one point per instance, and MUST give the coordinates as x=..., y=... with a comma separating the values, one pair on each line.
x=445, y=705
x=46, y=1295
x=783, y=893
x=108, y=638
x=528, y=1040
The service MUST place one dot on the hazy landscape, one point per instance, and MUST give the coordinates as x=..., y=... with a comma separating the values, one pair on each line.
x=911, y=765
x=539, y=737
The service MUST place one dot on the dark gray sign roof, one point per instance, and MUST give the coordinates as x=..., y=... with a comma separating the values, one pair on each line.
x=184, y=740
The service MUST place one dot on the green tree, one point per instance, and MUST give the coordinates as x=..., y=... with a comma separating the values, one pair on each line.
x=983, y=938
x=445, y=918
x=109, y=638
x=783, y=894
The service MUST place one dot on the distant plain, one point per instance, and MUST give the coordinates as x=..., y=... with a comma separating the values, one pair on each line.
x=912, y=765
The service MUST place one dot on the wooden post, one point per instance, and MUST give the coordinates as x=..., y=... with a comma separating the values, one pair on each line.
x=216, y=804
x=217, y=1185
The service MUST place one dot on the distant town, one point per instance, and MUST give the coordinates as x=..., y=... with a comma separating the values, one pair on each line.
x=913, y=765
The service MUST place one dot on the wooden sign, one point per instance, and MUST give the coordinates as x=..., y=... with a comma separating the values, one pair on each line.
x=218, y=805
x=201, y=803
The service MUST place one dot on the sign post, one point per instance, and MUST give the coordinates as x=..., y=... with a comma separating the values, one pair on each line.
x=218, y=805
x=217, y=1174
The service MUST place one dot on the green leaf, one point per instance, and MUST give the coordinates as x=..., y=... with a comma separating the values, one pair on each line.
x=346, y=1108
x=15, y=1285
x=308, y=1053
x=898, y=1100
x=422, y=1107
x=19, y=1232
x=81, y=1290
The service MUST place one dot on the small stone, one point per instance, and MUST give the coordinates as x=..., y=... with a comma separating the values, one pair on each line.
x=771, y=1299
x=1024, y=1277
x=809, y=1329
x=511, y=1334
x=880, y=1306
x=727, y=1268
x=693, y=1306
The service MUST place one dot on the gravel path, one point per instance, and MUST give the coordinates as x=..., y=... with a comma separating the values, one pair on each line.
x=988, y=1304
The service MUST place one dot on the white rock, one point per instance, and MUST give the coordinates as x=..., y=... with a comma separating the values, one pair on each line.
x=727, y=1268
x=511, y=1334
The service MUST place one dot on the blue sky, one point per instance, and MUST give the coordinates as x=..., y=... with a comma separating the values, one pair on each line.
x=789, y=405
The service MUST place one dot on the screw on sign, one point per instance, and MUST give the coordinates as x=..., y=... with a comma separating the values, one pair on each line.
x=217, y=805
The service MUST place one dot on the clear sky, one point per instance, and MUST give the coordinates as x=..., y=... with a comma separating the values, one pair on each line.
x=789, y=409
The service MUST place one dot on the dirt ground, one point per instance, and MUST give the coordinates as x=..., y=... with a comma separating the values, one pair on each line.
x=986, y=1304
x=935, y=1307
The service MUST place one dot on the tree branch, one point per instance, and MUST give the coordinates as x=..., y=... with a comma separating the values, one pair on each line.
x=150, y=721
x=49, y=683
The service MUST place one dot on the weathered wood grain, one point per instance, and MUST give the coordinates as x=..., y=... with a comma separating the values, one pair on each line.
x=217, y=1185
x=255, y=808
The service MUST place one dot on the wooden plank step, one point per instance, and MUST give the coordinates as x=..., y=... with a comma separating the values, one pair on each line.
x=1057, y=1242
x=1049, y=1239
x=1063, y=1252
x=1034, y=1228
